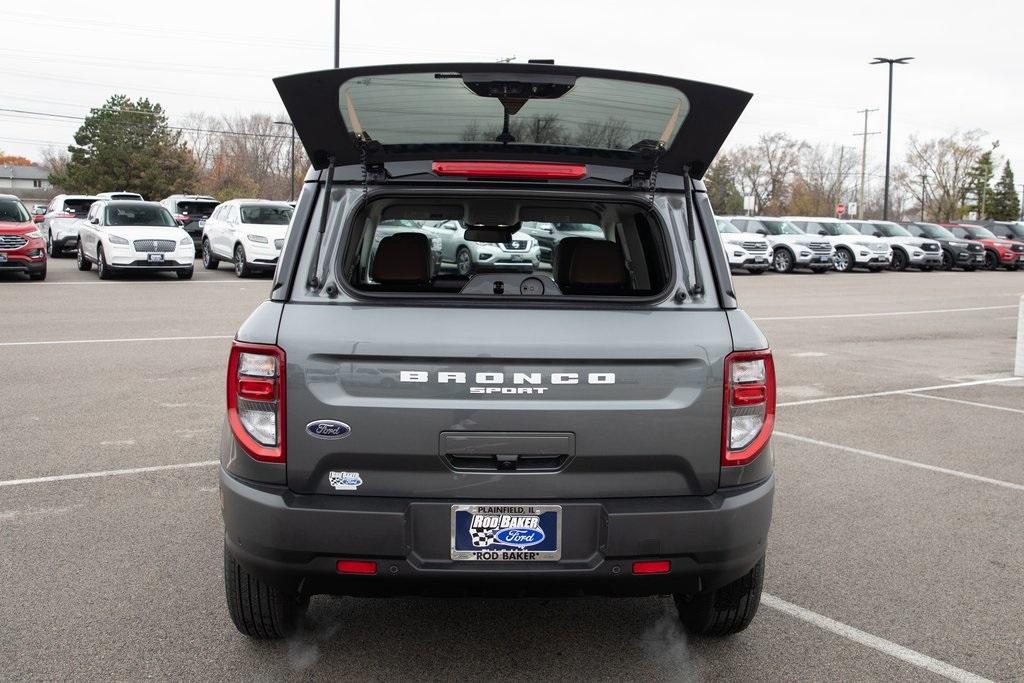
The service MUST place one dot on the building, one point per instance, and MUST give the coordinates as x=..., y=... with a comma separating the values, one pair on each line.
x=28, y=183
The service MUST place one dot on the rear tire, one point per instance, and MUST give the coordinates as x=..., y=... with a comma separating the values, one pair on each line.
x=52, y=250
x=725, y=611
x=259, y=610
x=899, y=260
x=991, y=261
x=210, y=260
x=37, y=274
x=185, y=274
x=947, y=261
x=83, y=263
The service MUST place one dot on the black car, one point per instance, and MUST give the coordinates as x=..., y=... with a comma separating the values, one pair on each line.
x=191, y=210
x=956, y=252
x=1007, y=230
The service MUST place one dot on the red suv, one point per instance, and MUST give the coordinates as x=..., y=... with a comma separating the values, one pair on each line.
x=22, y=248
x=998, y=251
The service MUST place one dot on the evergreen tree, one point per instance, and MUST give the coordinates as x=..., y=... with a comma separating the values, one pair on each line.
x=722, y=187
x=1005, y=205
x=126, y=145
x=978, y=191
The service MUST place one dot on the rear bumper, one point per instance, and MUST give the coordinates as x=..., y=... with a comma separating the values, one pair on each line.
x=294, y=541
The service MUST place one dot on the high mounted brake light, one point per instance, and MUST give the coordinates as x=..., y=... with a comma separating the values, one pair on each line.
x=510, y=169
x=748, y=412
x=255, y=393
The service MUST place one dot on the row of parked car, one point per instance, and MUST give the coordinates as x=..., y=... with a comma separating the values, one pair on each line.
x=120, y=231
x=759, y=243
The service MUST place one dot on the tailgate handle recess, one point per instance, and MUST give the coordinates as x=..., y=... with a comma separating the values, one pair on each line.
x=507, y=451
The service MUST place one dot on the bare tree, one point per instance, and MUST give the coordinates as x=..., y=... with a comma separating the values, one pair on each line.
x=823, y=180
x=765, y=168
x=946, y=165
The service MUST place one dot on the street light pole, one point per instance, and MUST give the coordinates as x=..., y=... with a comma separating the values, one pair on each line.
x=291, y=159
x=888, y=131
x=337, y=33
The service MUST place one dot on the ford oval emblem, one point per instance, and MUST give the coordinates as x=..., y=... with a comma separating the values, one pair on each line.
x=519, y=537
x=328, y=429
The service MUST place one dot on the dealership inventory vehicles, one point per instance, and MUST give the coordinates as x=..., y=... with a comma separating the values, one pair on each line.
x=120, y=236
x=999, y=253
x=59, y=225
x=956, y=252
x=744, y=250
x=249, y=233
x=908, y=251
x=601, y=427
x=22, y=248
x=852, y=249
x=191, y=211
x=791, y=247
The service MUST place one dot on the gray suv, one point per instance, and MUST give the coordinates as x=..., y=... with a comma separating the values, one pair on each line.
x=600, y=426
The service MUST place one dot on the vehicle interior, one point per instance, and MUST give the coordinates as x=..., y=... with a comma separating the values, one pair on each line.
x=401, y=247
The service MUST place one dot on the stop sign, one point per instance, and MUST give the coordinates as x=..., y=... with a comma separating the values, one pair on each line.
x=840, y=209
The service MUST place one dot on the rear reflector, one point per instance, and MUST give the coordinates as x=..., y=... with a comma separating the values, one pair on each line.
x=357, y=567
x=652, y=567
x=510, y=169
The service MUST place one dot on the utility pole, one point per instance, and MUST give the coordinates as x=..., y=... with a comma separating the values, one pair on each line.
x=888, y=130
x=924, y=190
x=337, y=33
x=864, y=159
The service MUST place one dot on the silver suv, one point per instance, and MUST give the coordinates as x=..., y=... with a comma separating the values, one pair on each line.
x=600, y=426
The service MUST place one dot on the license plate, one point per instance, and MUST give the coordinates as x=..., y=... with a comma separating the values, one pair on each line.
x=3, y=257
x=979, y=258
x=156, y=258
x=202, y=223
x=1021, y=257
x=506, y=533
x=824, y=259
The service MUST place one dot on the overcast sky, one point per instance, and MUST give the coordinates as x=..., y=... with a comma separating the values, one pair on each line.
x=805, y=61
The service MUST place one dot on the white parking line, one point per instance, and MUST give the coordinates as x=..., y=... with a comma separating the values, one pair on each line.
x=884, y=646
x=966, y=403
x=107, y=473
x=884, y=314
x=894, y=392
x=112, y=341
x=903, y=461
x=136, y=283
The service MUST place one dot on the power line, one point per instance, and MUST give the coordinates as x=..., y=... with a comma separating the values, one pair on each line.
x=146, y=113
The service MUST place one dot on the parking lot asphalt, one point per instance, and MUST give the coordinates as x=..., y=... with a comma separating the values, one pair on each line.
x=895, y=550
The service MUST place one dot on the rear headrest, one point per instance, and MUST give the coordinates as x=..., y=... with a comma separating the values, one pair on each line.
x=598, y=263
x=561, y=259
x=403, y=258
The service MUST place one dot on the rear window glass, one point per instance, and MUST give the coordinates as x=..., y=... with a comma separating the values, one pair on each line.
x=138, y=215
x=621, y=252
x=438, y=108
x=12, y=211
x=78, y=206
x=266, y=214
x=196, y=208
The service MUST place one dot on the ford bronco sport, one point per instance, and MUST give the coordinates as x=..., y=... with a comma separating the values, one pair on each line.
x=597, y=425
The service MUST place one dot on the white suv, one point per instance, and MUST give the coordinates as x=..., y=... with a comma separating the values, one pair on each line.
x=790, y=246
x=133, y=236
x=246, y=232
x=744, y=250
x=907, y=251
x=852, y=249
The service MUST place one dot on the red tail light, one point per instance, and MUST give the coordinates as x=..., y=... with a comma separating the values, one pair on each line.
x=256, y=380
x=748, y=413
x=510, y=169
